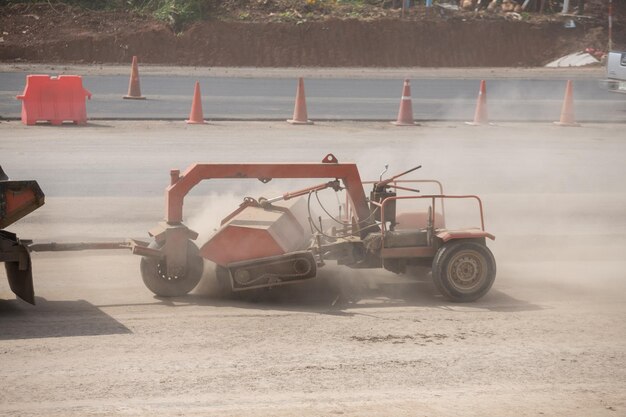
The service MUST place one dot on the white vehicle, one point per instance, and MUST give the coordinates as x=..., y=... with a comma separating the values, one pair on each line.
x=616, y=71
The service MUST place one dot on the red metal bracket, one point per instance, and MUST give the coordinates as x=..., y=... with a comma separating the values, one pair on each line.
x=330, y=168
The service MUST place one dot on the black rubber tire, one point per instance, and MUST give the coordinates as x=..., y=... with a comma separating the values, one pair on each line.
x=464, y=270
x=163, y=287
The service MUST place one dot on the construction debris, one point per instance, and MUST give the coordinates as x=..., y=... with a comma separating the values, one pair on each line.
x=577, y=59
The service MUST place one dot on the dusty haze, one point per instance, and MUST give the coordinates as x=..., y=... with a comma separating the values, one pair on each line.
x=547, y=340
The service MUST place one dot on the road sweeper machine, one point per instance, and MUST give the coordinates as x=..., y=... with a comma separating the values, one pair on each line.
x=275, y=241
x=269, y=242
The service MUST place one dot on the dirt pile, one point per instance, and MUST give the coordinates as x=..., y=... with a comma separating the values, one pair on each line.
x=43, y=33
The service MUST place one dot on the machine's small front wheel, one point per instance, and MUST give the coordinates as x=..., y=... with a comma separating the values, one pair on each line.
x=464, y=270
x=156, y=278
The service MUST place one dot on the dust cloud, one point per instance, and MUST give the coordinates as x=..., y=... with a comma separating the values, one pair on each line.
x=555, y=203
x=512, y=100
x=554, y=198
x=557, y=208
x=206, y=219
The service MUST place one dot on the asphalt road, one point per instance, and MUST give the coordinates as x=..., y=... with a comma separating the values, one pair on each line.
x=255, y=97
x=546, y=340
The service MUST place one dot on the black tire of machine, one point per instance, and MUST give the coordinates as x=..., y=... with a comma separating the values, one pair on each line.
x=464, y=270
x=153, y=272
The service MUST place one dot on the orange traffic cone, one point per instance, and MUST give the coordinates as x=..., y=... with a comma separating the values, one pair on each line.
x=196, y=116
x=480, y=116
x=134, y=91
x=299, y=112
x=567, y=110
x=405, y=114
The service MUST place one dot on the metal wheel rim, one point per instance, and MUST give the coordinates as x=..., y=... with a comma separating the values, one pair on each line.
x=162, y=273
x=467, y=271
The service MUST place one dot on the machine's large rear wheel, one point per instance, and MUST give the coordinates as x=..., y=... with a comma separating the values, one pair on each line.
x=154, y=273
x=464, y=270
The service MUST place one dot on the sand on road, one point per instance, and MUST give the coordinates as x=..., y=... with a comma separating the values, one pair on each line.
x=547, y=340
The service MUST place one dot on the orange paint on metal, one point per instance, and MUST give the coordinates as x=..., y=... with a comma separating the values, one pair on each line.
x=433, y=199
x=464, y=234
x=346, y=172
x=235, y=244
x=17, y=200
x=257, y=232
x=417, y=220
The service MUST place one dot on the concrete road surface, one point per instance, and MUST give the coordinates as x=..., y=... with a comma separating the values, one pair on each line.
x=547, y=340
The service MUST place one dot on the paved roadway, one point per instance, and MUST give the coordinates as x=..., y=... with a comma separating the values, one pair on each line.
x=255, y=97
x=547, y=340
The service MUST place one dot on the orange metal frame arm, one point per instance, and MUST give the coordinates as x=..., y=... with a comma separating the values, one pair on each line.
x=182, y=184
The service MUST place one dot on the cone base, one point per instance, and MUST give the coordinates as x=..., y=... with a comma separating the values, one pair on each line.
x=299, y=122
x=479, y=124
x=567, y=124
x=404, y=124
x=196, y=122
x=134, y=98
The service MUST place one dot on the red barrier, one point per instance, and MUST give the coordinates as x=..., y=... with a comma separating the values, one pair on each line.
x=54, y=99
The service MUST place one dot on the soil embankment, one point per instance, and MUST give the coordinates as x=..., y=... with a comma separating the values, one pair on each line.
x=37, y=34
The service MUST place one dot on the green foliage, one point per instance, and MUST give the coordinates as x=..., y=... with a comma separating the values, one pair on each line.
x=87, y=4
x=180, y=13
x=177, y=13
x=363, y=2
